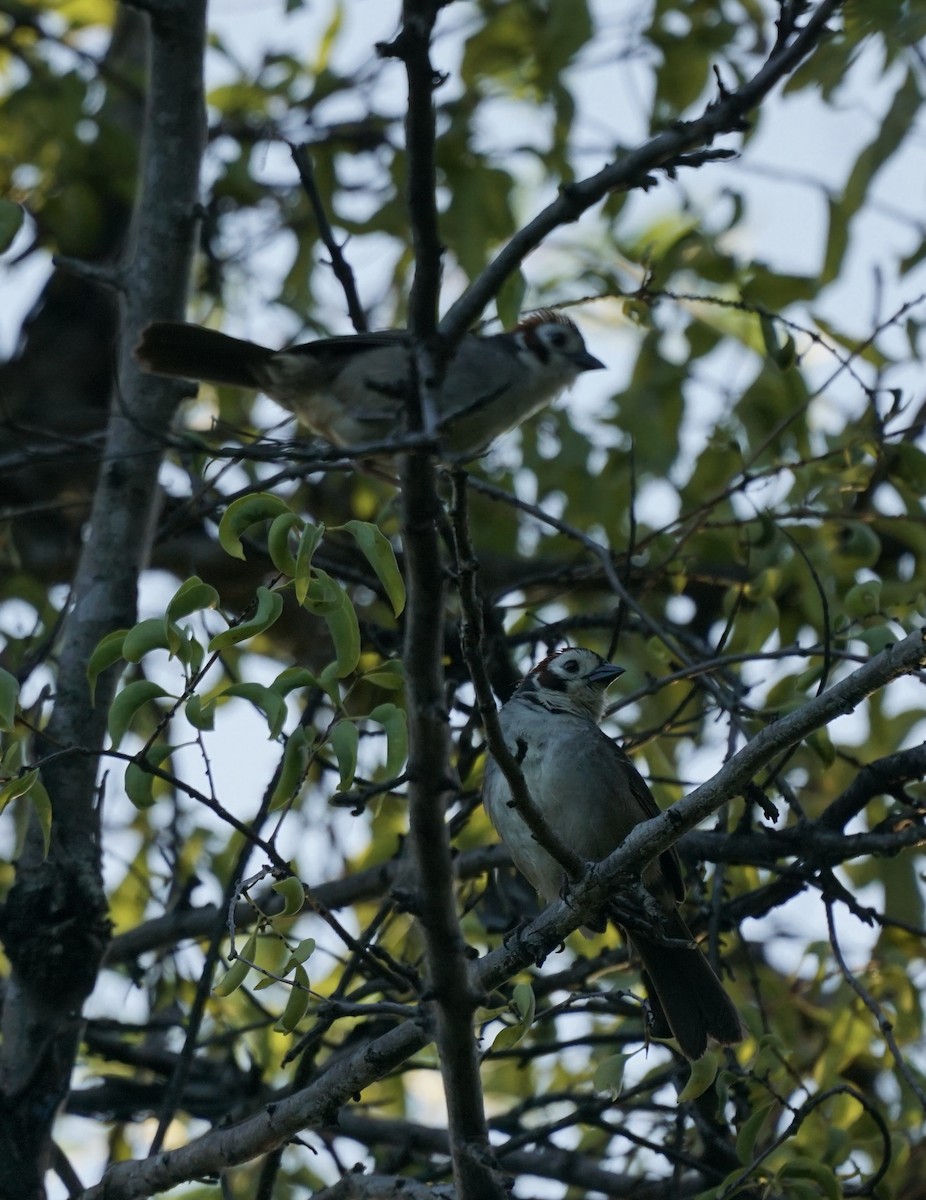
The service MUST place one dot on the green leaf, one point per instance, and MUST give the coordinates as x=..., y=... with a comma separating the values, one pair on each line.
x=139, y=783
x=297, y=1003
x=328, y=599
x=781, y=351
x=609, y=1075
x=244, y=512
x=345, y=738
x=201, y=716
x=108, y=651
x=393, y=720
x=388, y=675
x=11, y=219
x=523, y=1005
x=292, y=893
x=747, y=1136
x=863, y=599
x=308, y=544
x=269, y=607
x=377, y=550
x=703, y=1073
x=292, y=770
x=11, y=756
x=801, y=1167
x=294, y=677
x=133, y=697
x=15, y=788
x=147, y=635
x=270, y=703
x=304, y=951
x=9, y=693
x=192, y=596
x=278, y=542
x=236, y=974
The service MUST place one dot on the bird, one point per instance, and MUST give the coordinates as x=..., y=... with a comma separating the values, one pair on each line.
x=352, y=390
x=591, y=797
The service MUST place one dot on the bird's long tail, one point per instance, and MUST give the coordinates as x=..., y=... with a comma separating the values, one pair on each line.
x=688, y=1000
x=192, y=352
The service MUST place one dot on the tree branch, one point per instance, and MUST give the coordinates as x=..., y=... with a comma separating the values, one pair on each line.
x=41, y=1025
x=725, y=115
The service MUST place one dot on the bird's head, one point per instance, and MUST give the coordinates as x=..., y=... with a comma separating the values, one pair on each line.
x=551, y=344
x=572, y=680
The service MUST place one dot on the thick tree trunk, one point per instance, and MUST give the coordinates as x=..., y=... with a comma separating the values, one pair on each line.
x=55, y=926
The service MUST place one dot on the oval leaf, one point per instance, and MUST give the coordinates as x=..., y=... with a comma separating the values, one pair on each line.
x=297, y=1003
x=236, y=974
x=703, y=1074
x=304, y=951
x=139, y=783
x=151, y=634
x=269, y=607
x=328, y=599
x=523, y=1006
x=132, y=697
x=278, y=542
x=308, y=544
x=609, y=1076
x=345, y=738
x=292, y=893
x=378, y=551
x=192, y=596
x=388, y=675
x=108, y=651
x=292, y=770
x=393, y=720
x=244, y=512
x=294, y=677
x=746, y=1138
x=201, y=716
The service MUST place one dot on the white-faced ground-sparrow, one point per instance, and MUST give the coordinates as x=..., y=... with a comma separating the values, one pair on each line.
x=352, y=390
x=591, y=797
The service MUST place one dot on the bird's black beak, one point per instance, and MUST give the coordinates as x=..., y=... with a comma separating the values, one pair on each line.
x=587, y=362
x=606, y=674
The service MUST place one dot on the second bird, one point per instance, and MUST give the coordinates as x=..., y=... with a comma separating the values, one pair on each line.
x=592, y=796
x=352, y=390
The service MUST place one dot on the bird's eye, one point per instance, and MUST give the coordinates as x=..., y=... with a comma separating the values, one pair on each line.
x=571, y=666
x=558, y=338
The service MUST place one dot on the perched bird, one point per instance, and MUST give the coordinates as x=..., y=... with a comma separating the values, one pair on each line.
x=591, y=797
x=352, y=390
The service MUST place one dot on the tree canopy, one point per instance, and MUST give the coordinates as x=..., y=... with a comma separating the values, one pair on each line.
x=259, y=937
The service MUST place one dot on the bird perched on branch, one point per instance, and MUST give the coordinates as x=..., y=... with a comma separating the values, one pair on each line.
x=352, y=390
x=591, y=797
